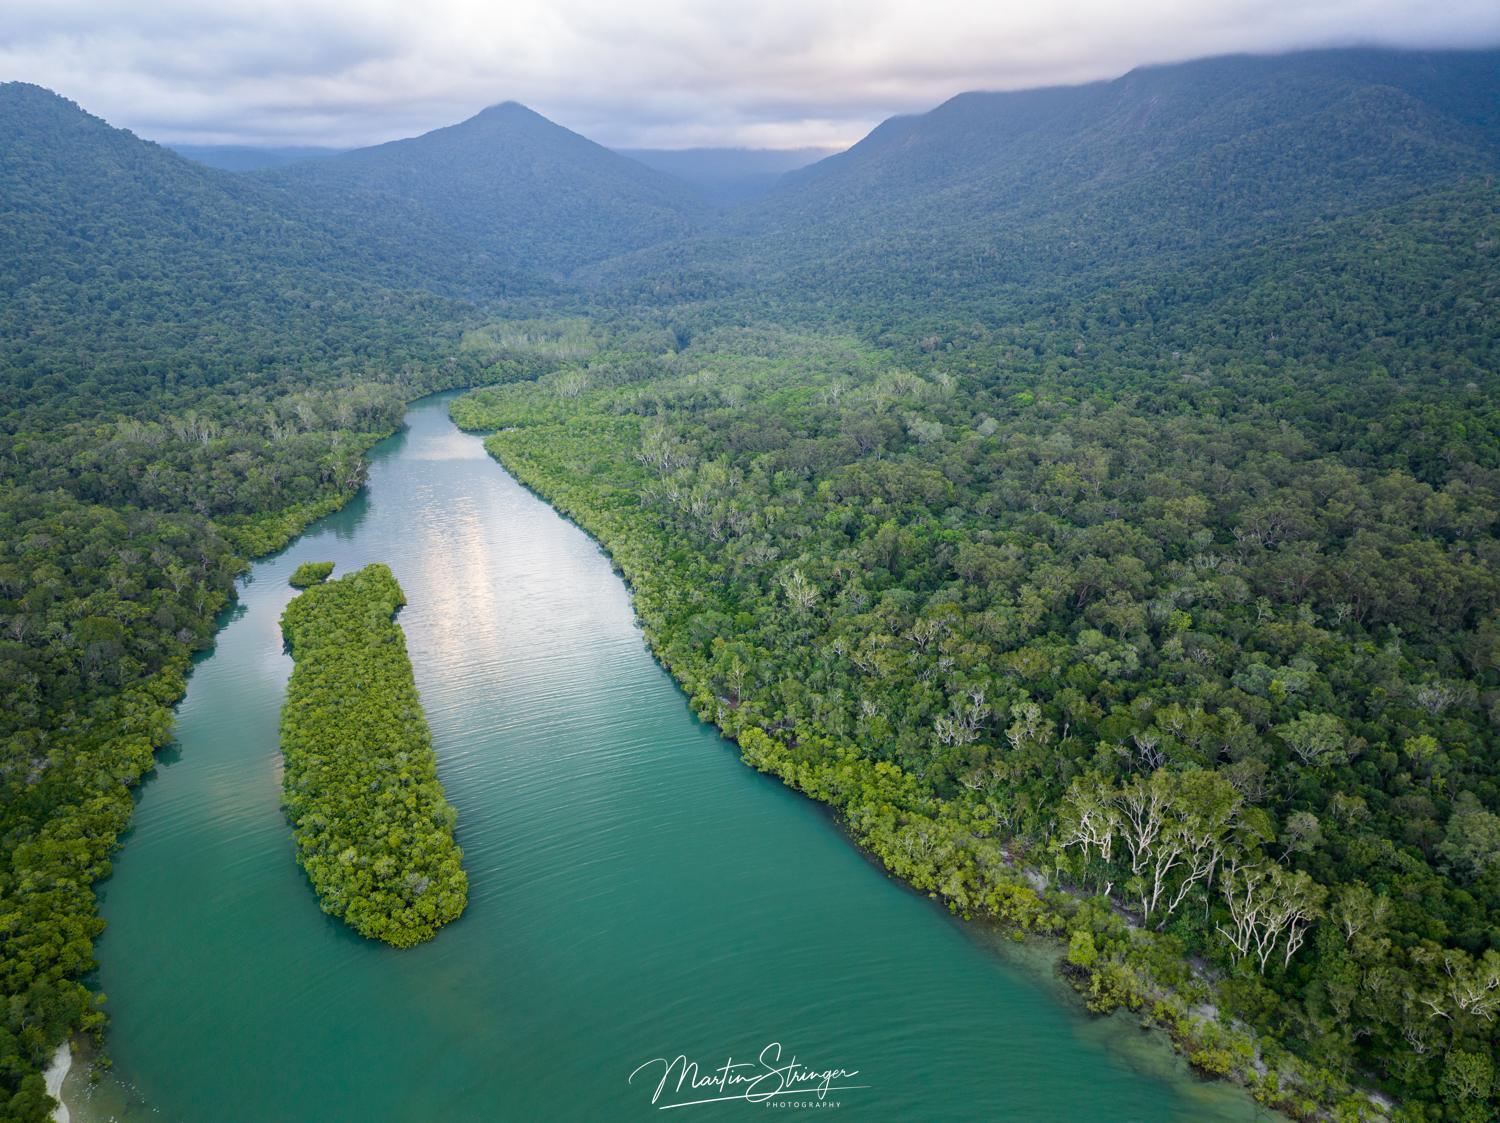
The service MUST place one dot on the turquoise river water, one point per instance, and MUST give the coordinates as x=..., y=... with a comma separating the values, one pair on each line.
x=635, y=891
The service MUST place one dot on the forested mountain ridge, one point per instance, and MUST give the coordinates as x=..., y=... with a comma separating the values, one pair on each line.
x=127, y=271
x=1060, y=189
x=988, y=148
x=529, y=192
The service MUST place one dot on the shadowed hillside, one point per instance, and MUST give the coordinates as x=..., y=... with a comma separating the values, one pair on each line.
x=508, y=182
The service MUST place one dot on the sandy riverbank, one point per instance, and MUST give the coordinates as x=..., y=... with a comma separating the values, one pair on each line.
x=57, y=1072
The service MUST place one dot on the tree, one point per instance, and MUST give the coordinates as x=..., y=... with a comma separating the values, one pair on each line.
x=1317, y=740
x=1459, y=986
x=1471, y=845
x=1467, y=1079
x=801, y=593
x=1173, y=830
x=1269, y=908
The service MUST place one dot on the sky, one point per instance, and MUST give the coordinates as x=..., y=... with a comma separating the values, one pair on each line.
x=637, y=73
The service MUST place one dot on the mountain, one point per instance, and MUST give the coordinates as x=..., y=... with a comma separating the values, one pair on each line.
x=1192, y=152
x=246, y=158
x=727, y=175
x=507, y=182
x=1068, y=187
x=992, y=201
x=127, y=270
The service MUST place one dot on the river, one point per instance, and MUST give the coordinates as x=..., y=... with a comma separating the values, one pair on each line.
x=635, y=891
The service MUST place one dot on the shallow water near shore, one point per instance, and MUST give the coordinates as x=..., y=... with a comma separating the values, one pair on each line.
x=635, y=891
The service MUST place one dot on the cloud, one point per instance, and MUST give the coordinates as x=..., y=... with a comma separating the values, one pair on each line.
x=663, y=73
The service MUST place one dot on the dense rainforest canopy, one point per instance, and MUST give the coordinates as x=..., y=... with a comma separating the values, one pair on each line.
x=1147, y=641
x=1091, y=493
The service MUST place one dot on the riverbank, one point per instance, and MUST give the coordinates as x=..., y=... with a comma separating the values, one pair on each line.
x=112, y=742
x=636, y=891
x=56, y=1073
x=941, y=847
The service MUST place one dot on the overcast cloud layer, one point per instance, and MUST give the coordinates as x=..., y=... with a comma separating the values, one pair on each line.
x=649, y=73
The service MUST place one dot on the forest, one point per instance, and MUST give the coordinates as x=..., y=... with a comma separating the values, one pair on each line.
x=374, y=831
x=170, y=410
x=1090, y=494
x=1222, y=681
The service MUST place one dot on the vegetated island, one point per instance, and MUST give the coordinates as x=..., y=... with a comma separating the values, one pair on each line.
x=310, y=573
x=374, y=830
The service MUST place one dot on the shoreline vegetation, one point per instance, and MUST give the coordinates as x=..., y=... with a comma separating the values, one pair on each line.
x=373, y=829
x=1099, y=950
x=103, y=745
x=770, y=587
x=178, y=555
